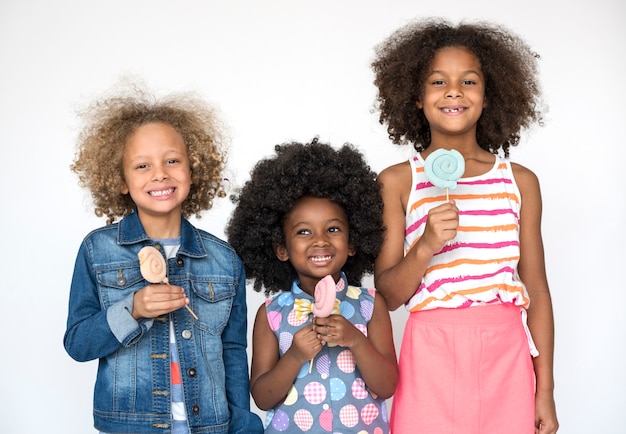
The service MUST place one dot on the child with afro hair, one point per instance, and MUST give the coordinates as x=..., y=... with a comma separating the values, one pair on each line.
x=477, y=349
x=512, y=89
x=308, y=213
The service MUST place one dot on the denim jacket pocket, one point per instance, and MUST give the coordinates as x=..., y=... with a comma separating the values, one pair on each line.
x=212, y=302
x=115, y=283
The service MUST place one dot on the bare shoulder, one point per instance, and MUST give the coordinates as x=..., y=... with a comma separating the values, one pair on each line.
x=396, y=177
x=395, y=173
x=525, y=178
x=395, y=183
x=261, y=315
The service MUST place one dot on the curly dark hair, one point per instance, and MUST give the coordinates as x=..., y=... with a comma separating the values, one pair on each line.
x=512, y=89
x=297, y=170
x=109, y=123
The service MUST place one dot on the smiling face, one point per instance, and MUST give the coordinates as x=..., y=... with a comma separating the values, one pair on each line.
x=157, y=172
x=316, y=240
x=454, y=94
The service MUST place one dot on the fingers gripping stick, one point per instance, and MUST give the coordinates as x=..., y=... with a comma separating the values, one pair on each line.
x=443, y=168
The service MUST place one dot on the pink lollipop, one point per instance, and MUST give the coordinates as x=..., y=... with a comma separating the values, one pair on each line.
x=152, y=265
x=153, y=268
x=325, y=293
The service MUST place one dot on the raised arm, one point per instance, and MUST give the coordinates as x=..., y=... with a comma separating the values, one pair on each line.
x=397, y=276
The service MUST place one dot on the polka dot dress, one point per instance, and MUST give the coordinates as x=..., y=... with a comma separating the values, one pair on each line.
x=333, y=398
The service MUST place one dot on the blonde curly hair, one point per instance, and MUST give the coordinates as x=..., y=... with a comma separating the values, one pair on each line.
x=109, y=122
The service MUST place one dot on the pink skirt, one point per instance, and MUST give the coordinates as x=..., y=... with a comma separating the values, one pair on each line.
x=465, y=371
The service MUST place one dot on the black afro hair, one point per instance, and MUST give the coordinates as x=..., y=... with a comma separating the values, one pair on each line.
x=297, y=170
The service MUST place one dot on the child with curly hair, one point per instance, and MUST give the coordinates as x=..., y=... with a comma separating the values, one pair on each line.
x=470, y=269
x=153, y=163
x=308, y=213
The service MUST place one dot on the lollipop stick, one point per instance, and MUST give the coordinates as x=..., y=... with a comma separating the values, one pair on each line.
x=187, y=306
x=191, y=311
x=448, y=200
x=311, y=365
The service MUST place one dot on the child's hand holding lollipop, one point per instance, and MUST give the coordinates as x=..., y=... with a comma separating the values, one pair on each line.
x=443, y=168
x=325, y=295
x=153, y=268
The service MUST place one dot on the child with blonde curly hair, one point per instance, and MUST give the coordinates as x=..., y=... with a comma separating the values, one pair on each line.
x=152, y=164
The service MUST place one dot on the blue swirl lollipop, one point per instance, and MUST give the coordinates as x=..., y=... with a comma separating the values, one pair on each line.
x=444, y=167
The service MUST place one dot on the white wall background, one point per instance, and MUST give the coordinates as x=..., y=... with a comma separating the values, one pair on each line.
x=282, y=70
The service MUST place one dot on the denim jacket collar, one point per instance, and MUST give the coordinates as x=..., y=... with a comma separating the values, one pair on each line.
x=131, y=231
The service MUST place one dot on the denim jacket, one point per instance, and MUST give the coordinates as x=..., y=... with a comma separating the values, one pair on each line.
x=133, y=381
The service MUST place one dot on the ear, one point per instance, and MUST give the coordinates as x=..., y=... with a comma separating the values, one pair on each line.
x=419, y=104
x=124, y=188
x=351, y=250
x=281, y=253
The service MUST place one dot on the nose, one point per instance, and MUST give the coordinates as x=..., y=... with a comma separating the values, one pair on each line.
x=454, y=91
x=320, y=240
x=159, y=173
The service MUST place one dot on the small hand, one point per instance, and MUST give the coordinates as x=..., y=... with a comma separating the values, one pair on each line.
x=545, y=414
x=337, y=330
x=305, y=344
x=156, y=300
x=441, y=226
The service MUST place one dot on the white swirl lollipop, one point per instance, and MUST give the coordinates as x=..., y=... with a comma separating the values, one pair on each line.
x=444, y=167
x=153, y=268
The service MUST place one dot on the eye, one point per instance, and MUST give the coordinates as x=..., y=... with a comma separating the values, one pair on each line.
x=468, y=82
x=141, y=166
x=303, y=232
x=173, y=161
x=438, y=82
x=334, y=229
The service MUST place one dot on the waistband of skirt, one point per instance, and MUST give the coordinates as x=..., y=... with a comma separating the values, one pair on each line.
x=493, y=314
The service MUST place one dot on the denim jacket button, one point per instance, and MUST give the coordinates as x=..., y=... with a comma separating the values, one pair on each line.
x=180, y=262
x=191, y=372
x=195, y=409
x=186, y=334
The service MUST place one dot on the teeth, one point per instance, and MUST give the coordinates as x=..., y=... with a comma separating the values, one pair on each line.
x=320, y=258
x=162, y=192
x=453, y=110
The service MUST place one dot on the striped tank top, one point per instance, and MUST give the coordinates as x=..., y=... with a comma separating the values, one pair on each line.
x=479, y=266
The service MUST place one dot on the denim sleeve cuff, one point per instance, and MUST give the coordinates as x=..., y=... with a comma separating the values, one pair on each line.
x=123, y=326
